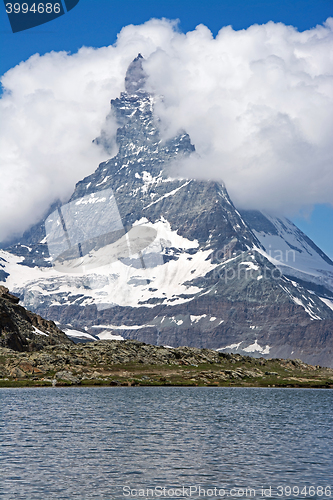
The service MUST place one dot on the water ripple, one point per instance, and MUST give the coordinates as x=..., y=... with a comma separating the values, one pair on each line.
x=87, y=443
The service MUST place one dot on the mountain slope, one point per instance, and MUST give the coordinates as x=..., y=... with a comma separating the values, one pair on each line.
x=138, y=253
x=22, y=330
x=292, y=251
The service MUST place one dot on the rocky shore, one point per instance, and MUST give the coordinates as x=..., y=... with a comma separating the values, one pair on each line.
x=134, y=363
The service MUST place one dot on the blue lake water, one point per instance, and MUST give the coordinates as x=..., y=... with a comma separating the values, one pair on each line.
x=165, y=442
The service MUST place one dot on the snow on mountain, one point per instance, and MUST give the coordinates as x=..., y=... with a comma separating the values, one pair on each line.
x=76, y=334
x=138, y=253
x=291, y=250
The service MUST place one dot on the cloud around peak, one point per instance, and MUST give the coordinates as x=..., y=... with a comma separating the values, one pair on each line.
x=257, y=103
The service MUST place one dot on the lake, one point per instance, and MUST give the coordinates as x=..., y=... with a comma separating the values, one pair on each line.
x=165, y=442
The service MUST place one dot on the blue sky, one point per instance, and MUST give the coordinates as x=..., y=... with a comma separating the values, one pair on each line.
x=96, y=23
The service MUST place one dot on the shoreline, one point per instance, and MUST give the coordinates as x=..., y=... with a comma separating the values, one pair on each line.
x=96, y=384
x=130, y=363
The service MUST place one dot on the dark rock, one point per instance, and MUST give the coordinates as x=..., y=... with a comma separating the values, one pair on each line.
x=22, y=330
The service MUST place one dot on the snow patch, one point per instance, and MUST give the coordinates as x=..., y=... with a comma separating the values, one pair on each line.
x=78, y=334
x=328, y=302
x=39, y=332
x=177, y=321
x=195, y=319
x=109, y=336
x=306, y=307
x=250, y=265
x=122, y=327
x=91, y=200
x=231, y=346
x=171, y=193
x=257, y=348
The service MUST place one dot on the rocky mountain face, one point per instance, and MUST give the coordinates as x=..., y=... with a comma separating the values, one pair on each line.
x=139, y=254
x=22, y=330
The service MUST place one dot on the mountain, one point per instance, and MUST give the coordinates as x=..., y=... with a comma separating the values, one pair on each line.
x=138, y=253
x=22, y=330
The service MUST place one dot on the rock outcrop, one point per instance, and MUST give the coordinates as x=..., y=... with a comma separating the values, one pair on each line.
x=22, y=330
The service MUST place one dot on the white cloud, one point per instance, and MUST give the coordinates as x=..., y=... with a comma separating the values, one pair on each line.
x=257, y=103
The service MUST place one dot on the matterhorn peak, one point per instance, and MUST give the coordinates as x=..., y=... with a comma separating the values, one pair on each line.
x=135, y=76
x=170, y=261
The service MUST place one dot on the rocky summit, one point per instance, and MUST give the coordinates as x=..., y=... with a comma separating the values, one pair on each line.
x=139, y=253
